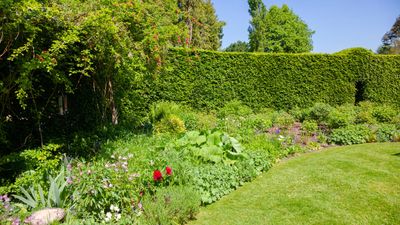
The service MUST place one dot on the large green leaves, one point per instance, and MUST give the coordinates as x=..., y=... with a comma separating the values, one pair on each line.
x=211, y=146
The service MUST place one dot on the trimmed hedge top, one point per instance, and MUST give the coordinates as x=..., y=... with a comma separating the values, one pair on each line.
x=207, y=79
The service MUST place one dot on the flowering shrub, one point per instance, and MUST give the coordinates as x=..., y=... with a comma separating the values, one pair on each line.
x=99, y=185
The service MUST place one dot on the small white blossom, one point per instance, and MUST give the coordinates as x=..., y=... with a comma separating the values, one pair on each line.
x=117, y=216
x=108, y=217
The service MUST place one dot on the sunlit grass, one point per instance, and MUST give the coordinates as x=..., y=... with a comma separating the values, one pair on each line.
x=345, y=185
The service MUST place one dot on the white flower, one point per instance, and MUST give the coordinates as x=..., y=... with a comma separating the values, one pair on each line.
x=117, y=216
x=114, y=208
x=108, y=216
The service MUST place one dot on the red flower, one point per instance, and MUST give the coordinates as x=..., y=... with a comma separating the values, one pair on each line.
x=168, y=170
x=157, y=176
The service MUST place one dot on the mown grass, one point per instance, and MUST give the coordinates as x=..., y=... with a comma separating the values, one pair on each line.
x=357, y=184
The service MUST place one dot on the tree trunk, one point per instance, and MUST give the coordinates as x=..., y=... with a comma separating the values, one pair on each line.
x=114, y=112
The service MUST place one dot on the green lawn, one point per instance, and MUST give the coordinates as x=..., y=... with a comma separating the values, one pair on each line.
x=344, y=185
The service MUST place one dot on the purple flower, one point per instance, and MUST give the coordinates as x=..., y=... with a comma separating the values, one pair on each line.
x=28, y=220
x=16, y=221
x=277, y=131
x=69, y=167
x=5, y=198
x=69, y=180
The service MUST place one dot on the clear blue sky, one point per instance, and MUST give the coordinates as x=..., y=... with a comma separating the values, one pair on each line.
x=338, y=24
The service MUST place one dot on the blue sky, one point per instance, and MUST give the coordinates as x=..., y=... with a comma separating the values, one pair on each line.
x=338, y=24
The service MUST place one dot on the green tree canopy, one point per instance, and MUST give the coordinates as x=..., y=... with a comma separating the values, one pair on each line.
x=239, y=46
x=391, y=40
x=277, y=30
x=204, y=28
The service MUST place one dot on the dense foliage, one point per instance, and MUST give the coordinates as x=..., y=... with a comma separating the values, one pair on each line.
x=164, y=177
x=277, y=30
x=65, y=65
x=239, y=46
x=208, y=79
x=391, y=40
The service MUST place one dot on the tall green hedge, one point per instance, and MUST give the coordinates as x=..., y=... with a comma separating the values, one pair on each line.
x=381, y=79
x=207, y=80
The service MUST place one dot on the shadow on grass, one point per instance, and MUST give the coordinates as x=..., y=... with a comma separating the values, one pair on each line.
x=397, y=154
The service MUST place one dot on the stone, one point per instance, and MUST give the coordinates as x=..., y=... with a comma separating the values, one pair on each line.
x=46, y=216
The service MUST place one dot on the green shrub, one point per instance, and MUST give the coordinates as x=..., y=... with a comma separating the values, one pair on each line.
x=257, y=122
x=341, y=116
x=384, y=113
x=365, y=113
x=300, y=114
x=386, y=132
x=320, y=112
x=170, y=124
x=309, y=126
x=214, y=181
x=206, y=121
x=283, y=119
x=234, y=108
x=262, y=143
x=163, y=109
x=29, y=167
x=354, y=134
x=170, y=205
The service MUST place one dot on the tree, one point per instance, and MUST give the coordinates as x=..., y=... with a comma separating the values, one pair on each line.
x=277, y=30
x=239, y=46
x=204, y=28
x=391, y=40
x=257, y=29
